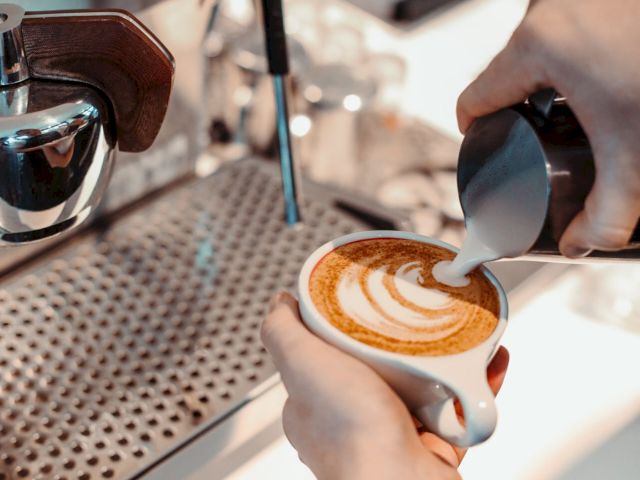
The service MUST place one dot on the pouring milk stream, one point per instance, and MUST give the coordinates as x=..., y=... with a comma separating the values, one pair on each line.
x=504, y=202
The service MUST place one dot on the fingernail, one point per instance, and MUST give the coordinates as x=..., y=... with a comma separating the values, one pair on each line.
x=276, y=300
x=574, y=251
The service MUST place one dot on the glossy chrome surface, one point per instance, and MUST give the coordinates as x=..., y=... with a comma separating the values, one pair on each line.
x=56, y=153
x=13, y=62
x=56, y=156
x=14, y=101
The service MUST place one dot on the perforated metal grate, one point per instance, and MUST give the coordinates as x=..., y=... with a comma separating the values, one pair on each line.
x=118, y=348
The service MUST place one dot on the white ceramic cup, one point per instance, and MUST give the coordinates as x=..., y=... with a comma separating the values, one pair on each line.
x=427, y=384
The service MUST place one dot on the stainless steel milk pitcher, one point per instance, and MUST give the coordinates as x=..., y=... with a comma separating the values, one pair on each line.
x=543, y=137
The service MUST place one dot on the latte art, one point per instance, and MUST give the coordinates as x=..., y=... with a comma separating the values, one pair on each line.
x=396, y=304
x=382, y=292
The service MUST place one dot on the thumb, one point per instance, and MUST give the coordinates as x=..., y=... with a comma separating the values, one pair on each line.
x=607, y=222
x=299, y=355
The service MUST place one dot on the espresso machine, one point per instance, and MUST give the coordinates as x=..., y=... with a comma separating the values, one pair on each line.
x=129, y=345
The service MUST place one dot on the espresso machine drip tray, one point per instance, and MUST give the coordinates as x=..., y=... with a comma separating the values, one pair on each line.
x=123, y=344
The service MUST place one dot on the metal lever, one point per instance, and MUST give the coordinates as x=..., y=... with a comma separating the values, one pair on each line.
x=114, y=53
x=278, y=57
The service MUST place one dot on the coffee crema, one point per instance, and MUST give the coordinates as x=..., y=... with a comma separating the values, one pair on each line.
x=381, y=292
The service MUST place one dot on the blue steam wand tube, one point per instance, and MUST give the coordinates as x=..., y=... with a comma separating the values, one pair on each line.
x=278, y=57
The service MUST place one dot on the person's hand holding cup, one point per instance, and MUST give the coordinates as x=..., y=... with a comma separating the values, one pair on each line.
x=372, y=296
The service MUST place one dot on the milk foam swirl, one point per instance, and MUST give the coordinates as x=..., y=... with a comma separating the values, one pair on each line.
x=382, y=292
x=394, y=302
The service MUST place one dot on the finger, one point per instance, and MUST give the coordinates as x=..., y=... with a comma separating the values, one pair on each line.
x=607, y=222
x=532, y=4
x=509, y=79
x=447, y=452
x=296, y=352
x=497, y=369
x=282, y=333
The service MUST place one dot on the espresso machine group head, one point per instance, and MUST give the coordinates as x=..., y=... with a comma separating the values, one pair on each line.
x=74, y=87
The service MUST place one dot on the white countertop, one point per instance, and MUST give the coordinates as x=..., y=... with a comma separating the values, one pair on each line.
x=572, y=383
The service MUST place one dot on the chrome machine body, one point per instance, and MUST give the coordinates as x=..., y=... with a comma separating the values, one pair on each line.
x=56, y=152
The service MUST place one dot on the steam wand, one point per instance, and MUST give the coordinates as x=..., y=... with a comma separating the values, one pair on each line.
x=278, y=57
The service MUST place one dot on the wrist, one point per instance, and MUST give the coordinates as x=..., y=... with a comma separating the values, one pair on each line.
x=375, y=459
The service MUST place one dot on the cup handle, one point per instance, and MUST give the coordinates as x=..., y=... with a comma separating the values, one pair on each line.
x=479, y=408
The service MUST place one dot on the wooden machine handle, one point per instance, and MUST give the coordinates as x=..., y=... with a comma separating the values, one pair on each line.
x=112, y=51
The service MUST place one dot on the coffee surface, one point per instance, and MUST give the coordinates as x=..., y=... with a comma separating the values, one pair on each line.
x=381, y=292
